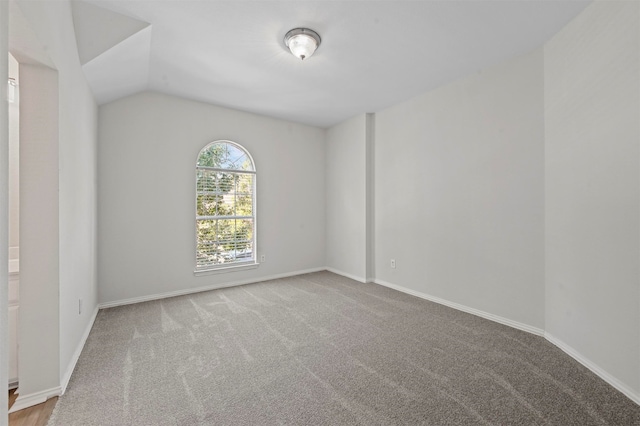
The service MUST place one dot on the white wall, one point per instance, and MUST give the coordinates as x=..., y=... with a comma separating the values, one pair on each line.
x=345, y=201
x=148, y=145
x=38, y=328
x=370, y=123
x=4, y=213
x=592, y=115
x=51, y=22
x=459, y=192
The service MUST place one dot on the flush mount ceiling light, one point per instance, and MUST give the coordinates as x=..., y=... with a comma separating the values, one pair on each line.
x=302, y=42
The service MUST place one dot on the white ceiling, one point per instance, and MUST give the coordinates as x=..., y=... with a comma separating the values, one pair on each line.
x=373, y=53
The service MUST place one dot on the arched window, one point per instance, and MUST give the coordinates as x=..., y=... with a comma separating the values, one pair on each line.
x=225, y=206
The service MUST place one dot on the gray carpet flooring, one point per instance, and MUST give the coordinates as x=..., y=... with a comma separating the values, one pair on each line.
x=322, y=349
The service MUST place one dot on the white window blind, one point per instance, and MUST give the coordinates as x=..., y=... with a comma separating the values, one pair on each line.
x=225, y=206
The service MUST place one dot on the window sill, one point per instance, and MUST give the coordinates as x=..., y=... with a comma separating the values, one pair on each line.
x=225, y=269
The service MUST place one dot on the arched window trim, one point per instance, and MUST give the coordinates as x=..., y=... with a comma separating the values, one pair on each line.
x=237, y=263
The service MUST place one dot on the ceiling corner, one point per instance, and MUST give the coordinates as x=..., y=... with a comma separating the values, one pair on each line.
x=98, y=30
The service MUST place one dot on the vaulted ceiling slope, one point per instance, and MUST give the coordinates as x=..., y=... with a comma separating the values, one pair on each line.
x=373, y=53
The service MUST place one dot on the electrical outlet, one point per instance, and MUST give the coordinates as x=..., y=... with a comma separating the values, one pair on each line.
x=79, y=306
x=393, y=263
x=263, y=258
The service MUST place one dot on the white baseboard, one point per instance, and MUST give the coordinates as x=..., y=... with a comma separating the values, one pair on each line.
x=628, y=392
x=345, y=274
x=204, y=288
x=76, y=354
x=467, y=309
x=26, y=401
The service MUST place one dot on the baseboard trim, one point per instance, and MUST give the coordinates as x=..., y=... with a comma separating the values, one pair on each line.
x=628, y=392
x=78, y=351
x=463, y=308
x=347, y=275
x=166, y=295
x=26, y=401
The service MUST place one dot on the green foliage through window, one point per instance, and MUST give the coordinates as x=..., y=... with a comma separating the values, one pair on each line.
x=225, y=218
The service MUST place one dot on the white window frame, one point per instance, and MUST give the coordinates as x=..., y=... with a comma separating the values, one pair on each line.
x=236, y=264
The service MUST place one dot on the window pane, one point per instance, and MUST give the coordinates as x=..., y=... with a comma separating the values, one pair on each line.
x=212, y=156
x=206, y=204
x=218, y=193
x=244, y=194
x=224, y=182
x=235, y=158
x=224, y=240
x=225, y=156
x=205, y=181
x=208, y=250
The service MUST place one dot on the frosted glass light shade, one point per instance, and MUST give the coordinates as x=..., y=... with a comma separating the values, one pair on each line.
x=302, y=42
